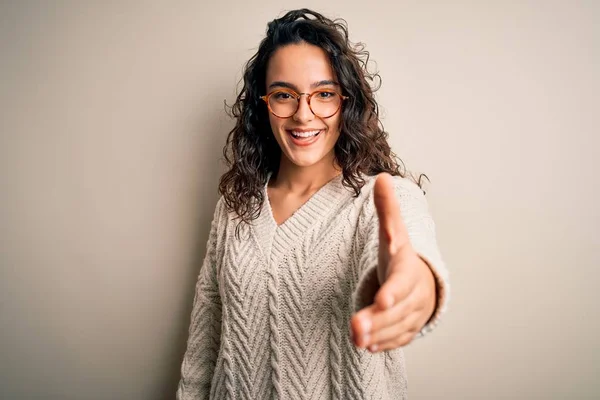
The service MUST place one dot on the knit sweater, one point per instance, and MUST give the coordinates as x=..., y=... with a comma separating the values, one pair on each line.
x=271, y=311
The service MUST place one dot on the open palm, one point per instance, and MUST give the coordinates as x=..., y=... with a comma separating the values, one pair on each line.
x=406, y=299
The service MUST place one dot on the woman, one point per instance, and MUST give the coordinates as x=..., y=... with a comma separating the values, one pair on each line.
x=322, y=259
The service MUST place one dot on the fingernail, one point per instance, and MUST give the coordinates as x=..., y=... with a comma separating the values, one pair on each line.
x=373, y=348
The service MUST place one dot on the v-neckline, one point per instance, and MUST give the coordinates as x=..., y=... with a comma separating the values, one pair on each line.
x=275, y=240
x=330, y=188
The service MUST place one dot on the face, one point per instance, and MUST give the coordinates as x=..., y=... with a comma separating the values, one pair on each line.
x=304, y=68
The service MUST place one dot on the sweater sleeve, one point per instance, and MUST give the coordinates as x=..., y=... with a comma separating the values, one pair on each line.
x=421, y=232
x=205, y=326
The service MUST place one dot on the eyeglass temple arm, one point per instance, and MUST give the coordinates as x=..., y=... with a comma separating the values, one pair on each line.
x=264, y=98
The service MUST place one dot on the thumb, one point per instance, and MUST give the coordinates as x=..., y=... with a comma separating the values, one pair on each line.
x=391, y=227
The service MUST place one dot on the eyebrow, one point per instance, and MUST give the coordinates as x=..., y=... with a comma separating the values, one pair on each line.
x=324, y=82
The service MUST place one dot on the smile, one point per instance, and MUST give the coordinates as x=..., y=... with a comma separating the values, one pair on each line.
x=304, y=138
x=304, y=134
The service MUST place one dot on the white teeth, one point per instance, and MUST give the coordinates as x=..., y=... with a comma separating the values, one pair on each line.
x=305, y=134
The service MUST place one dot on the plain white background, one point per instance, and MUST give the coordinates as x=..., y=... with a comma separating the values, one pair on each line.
x=111, y=130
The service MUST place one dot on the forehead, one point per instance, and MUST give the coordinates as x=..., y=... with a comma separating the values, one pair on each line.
x=299, y=64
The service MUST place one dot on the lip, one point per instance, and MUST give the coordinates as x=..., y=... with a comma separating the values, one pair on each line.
x=304, y=142
x=305, y=129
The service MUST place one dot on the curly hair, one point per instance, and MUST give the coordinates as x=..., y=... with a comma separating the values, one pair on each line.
x=251, y=151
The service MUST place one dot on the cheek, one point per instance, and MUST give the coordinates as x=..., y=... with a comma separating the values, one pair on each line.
x=275, y=124
x=334, y=125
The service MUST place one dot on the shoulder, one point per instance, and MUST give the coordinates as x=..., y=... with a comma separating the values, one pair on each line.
x=220, y=212
x=410, y=196
x=403, y=187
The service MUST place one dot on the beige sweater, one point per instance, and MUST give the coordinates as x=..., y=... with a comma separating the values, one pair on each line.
x=271, y=312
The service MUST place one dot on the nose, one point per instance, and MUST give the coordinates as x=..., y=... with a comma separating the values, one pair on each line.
x=303, y=113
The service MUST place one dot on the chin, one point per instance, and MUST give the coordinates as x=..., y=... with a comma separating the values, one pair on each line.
x=304, y=161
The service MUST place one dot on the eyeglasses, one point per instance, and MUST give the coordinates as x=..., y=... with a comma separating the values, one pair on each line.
x=284, y=103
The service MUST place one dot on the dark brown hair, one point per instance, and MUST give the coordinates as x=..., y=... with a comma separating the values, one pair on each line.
x=251, y=151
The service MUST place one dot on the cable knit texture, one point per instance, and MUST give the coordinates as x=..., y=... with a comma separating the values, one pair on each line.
x=271, y=311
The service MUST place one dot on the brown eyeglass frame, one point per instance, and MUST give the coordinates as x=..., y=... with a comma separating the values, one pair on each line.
x=267, y=97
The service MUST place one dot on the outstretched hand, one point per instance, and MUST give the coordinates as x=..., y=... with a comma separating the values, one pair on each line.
x=407, y=296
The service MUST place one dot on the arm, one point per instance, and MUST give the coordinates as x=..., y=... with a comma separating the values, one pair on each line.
x=421, y=231
x=403, y=286
x=205, y=326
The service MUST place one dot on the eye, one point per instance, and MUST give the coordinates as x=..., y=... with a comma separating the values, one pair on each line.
x=282, y=96
x=326, y=95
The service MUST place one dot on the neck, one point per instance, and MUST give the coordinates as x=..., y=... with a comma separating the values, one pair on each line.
x=302, y=180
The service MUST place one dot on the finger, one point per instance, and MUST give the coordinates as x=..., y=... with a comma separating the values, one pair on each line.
x=396, y=288
x=382, y=319
x=361, y=324
x=394, y=343
x=410, y=324
x=391, y=227
x=372, y=319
